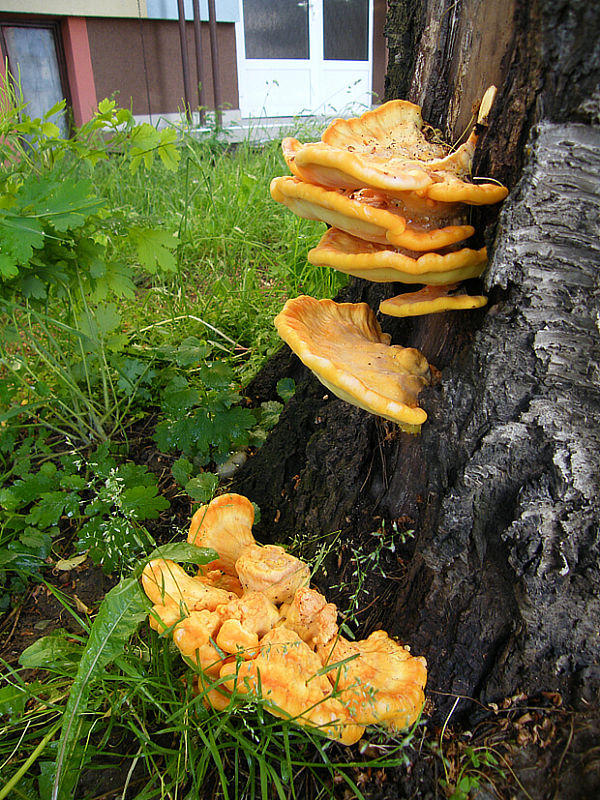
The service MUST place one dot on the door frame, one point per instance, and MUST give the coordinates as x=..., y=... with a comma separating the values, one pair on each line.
x=312, y=97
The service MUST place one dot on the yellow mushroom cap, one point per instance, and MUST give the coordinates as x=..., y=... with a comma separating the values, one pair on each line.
x=379, y=681
x=225, y=525
x=287, y=675
x=342, y=343
x=166, y=583
x=269, y=569
x=375, y=262
x=385, y=149
x=374, y=218
x=337, y=167
x=194, y=637
x=430, y=300
x=311, y=616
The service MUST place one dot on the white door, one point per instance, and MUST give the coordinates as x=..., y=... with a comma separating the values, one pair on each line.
x=304, y=56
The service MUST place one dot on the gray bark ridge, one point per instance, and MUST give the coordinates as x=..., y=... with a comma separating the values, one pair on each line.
x=519, y=524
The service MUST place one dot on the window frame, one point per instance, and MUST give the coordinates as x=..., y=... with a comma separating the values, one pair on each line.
x=45, y=23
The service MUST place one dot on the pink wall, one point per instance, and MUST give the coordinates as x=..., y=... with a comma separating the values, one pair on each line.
x=79, y=68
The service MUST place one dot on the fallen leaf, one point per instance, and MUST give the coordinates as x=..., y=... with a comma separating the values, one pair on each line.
x=67, y=564
x=80, y=606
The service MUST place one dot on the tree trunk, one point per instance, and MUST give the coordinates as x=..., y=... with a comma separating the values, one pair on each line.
x=499, y=584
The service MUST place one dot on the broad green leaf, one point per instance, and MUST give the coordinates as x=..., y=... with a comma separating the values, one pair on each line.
x=286, y=388
x=182, y=551
x=154, y=248
x=192, y=351
x=115, y=279
x=19, y=235
x=144, y=141
x=203, y=487
x=106, y=106
x=56, y=652
x=143, y=502
x=182, y=470
x=270, y=413
x=167, y=150
x=6, y=556
x=12, y=701
x=107, y=318
x=8, y=266
x=32, y=286
x=65, y=203
x=133, y=374
x=51, y=507
x=216, y=375
x=135, y=475
x=50, y=130
x=119, y=616
x=230, y=428
x=178, y=399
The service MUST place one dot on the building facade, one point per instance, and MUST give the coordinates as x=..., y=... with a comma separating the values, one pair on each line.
x=272, y=57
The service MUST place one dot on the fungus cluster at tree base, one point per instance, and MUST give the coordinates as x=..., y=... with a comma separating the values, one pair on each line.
x=252, y=627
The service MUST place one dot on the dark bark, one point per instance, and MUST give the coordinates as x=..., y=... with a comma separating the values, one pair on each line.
x=499, y=587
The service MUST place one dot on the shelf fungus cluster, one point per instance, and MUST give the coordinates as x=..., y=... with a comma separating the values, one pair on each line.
x=252, y=627
x=397, y=203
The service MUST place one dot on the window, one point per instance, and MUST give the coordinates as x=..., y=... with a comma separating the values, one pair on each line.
x=34, y=55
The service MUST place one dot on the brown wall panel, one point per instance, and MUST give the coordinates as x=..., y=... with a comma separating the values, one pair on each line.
x=124, y=51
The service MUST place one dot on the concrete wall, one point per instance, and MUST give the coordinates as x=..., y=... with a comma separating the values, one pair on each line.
x=76, y=8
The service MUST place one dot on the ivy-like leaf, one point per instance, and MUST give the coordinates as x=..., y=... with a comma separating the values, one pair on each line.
x=230, y=429
x=286, y=388
x=51, y=507
x=270, y=413
x=191, y=351
x=203, y=487
x=19, y=235
x=143, y=502
x=182, y=470
x=154, y=249
x=167, y=150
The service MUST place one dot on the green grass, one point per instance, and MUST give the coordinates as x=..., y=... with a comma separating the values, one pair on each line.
x=111, y=705
x=240, y=255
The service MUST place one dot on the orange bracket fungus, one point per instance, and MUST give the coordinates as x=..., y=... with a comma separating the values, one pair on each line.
x=430, y=300
x=396, y=200
x=370, y=215
x=275, y=638
x=343, y=344
x=386, y=149
x=381, y=264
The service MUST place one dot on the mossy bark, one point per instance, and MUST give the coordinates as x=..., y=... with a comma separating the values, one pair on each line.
x=499, y=584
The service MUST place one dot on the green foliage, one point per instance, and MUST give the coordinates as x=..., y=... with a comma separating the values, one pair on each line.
x=106, y=503
x=57, y=273
x=123, y=608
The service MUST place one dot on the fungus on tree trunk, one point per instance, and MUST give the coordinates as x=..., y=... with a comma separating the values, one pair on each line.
x=397, y=200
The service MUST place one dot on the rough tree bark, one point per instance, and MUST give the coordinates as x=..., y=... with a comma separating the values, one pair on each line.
x=499, y=588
